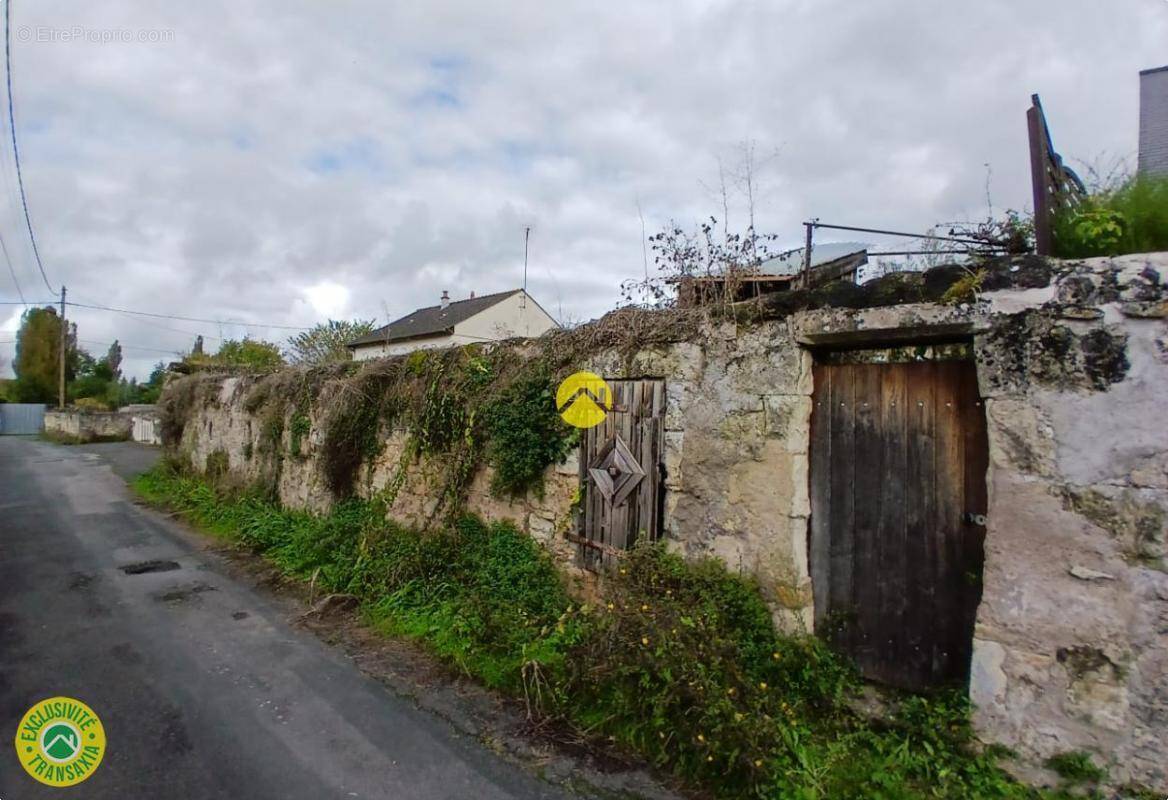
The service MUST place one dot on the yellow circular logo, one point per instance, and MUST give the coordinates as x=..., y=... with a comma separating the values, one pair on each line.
x=583, y=399
x=60, y=741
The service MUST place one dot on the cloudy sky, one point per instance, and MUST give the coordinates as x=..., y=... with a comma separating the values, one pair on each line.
x=285, y=162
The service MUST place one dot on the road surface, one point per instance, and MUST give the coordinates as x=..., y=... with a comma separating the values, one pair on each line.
x=204, y=689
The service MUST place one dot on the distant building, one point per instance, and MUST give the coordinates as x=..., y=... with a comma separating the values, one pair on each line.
x=489, y=318
x=829, y=262
x=1154, y=121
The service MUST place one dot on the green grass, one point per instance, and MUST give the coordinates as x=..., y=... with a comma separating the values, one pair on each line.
x=1131, y=218
x=678, y=662
x=1076, y=767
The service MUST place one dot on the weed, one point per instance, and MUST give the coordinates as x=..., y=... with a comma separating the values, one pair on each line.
x=526, y=434
x=300, y=427
x=678, y=661
x=965, y=289
x=1130, y=218
x=1075, y=767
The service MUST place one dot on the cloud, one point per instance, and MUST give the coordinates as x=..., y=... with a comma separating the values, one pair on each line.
x=393, y=151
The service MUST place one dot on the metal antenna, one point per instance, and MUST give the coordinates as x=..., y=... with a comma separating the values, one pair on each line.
x=526, y=239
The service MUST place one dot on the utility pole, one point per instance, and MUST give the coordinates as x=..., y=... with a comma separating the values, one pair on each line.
x=61, y=354
x=804, y=280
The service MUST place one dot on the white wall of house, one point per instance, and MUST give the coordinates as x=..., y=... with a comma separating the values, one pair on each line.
x=381, y=350
x=1153, y=159
x=518, y=315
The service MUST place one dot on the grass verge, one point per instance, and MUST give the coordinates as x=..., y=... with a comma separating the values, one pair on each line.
x=679, y=662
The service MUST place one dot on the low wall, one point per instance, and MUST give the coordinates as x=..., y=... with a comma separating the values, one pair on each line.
x=89, y=426
x=1070, y=651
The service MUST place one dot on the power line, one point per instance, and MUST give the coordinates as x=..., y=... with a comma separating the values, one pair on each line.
x=11, y=271
x=173, y=351
x=130, y=315
x=15, y=149
x=192, y=319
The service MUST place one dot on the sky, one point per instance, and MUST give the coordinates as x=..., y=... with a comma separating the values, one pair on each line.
x=287, y=162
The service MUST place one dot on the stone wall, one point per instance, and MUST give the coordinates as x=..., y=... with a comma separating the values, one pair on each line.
x=735, y=456
x=89, y=426
x=1071, y=645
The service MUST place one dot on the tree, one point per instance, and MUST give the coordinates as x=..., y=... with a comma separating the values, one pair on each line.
x=325, y=344
x=148, y=392
x=37, y=361
x=93, y=381
x=246, y=352
x=114, y=359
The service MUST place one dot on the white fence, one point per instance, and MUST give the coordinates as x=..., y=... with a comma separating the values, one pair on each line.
x=145, y=430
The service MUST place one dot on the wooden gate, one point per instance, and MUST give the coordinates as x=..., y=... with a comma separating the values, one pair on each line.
x=898, y=498
x=621, y=471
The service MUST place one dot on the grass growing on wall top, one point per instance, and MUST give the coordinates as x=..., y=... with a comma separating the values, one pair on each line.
x=678, y=662
x=1129, y=218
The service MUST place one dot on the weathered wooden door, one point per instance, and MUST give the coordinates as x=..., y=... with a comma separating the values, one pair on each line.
x=898, y=497
x=620, y=472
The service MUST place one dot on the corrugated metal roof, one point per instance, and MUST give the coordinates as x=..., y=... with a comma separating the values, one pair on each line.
x=791, y=263
x=432, y=320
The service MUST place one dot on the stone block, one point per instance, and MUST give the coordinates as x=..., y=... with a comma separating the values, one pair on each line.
x=672, y=456
x=987, y=678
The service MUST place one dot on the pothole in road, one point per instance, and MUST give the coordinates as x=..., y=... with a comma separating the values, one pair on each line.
x=143, y=567
x=184, y=594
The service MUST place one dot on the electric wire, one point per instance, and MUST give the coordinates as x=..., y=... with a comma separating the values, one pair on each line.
x=15, y=149
x=191, y=319
x=12, y=271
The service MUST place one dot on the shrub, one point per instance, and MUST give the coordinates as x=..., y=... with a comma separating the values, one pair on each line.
x=679, y=661
x=1075, y=767
x=525, y=435
x=1131, y=218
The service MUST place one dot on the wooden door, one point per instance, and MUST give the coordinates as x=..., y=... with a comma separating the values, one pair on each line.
x=621, y=471
x=898, y=497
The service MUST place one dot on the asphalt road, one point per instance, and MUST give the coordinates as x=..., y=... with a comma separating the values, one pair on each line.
x=204, y=689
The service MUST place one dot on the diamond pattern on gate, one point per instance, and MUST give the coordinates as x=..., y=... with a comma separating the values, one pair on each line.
x=615, y=471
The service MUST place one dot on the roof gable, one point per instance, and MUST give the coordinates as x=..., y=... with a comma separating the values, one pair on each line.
x=433, y=320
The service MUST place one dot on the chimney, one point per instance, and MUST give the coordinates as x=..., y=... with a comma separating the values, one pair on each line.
x=445, y=298
x=1153, y=159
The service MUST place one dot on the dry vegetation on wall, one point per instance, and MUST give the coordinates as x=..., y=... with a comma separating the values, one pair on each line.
x=469, y=406
x=479, y=404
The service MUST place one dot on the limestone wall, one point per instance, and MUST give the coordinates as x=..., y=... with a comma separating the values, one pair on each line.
x=735, y=456
x=1071, y=645
x=89, y=426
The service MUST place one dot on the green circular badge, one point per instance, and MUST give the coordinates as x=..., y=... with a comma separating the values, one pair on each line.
x=60, y=741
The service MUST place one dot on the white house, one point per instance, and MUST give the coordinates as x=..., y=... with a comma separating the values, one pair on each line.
x=1153, y=159
x=489, y=318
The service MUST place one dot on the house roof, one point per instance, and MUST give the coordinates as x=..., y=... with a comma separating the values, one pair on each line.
x=432, y=320
x=791, y=263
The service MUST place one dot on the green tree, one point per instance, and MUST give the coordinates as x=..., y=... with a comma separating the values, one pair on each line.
x=37, y=361
x=246, y=352
x=326, y=343
x=93, y=381
x=148, y=392
x=114, y=359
